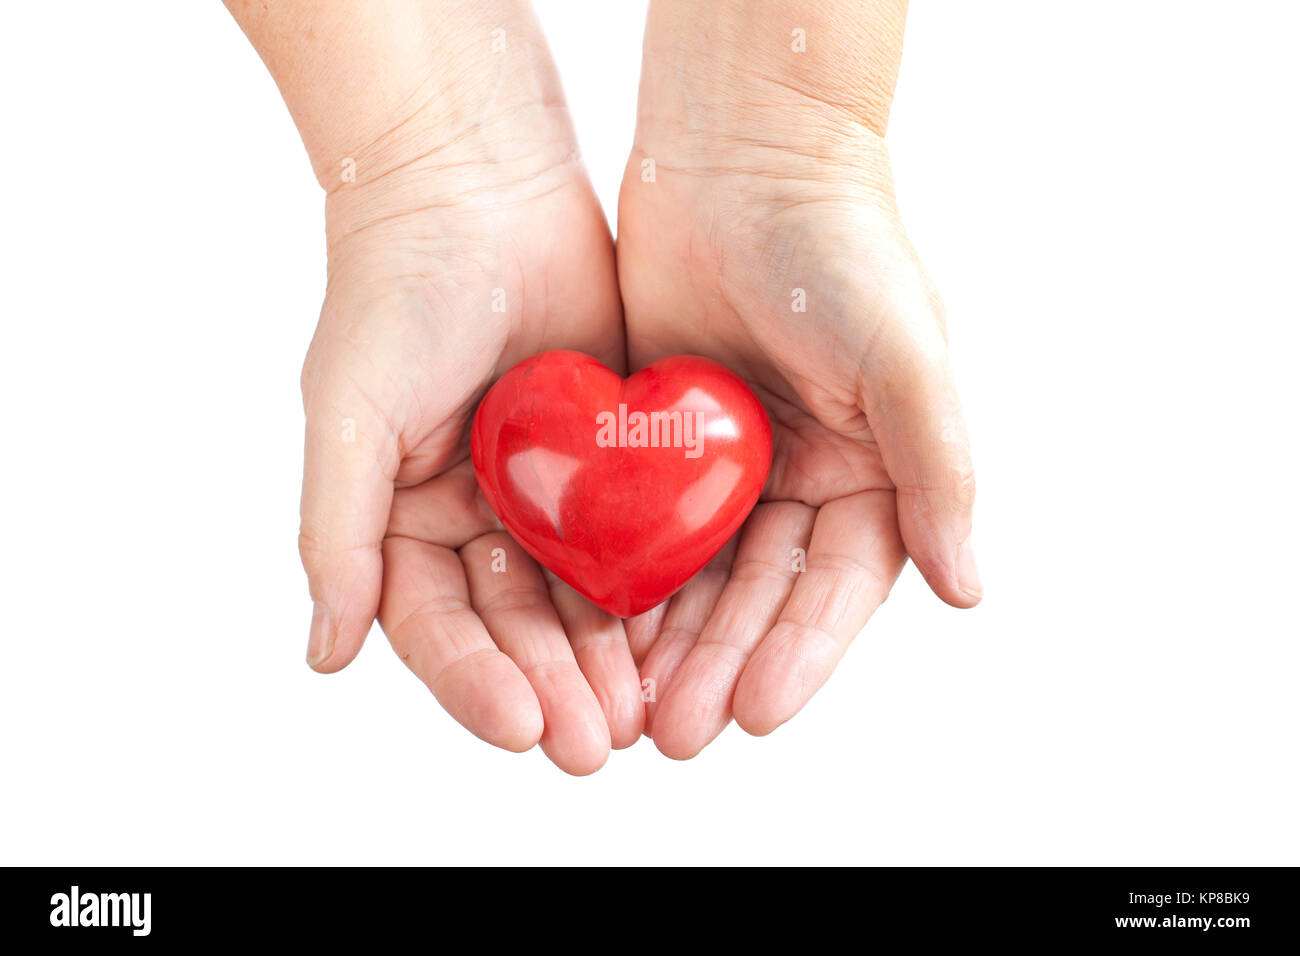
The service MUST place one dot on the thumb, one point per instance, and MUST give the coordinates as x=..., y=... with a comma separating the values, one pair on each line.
x=350, y=461
x=910, y=399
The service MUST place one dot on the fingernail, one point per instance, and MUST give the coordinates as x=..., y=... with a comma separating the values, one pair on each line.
x=321, y=642
x=968, y=573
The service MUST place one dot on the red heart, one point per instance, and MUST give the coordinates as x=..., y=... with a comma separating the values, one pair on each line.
x=565, y=452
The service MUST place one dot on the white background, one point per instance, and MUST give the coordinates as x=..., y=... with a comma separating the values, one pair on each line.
x=1107, y=195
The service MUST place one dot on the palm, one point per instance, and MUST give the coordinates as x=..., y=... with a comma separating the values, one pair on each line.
x=706, y=273
x=513, y=654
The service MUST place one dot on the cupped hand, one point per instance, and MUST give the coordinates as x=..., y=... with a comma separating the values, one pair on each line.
x=774, y=246
x=452, y=257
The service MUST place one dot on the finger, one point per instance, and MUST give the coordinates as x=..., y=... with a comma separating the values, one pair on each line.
x=910, y=399
x=853, y=559
x=447, y=510
x=688, y=610
x=426, y=614
x=696, y=707
x=600, y=647
x=643, y=630
x=350, y=460
x=507, y=589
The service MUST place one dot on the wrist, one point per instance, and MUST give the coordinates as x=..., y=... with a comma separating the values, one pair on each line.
x=435, y=169
x=373, y=86
x=753, y=78
x=468, y=124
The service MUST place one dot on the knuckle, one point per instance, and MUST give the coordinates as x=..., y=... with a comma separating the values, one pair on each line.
x=314, y=364
x=311, y=550
x=337, y=556
x=306, y=378
x=951, y=490
x=757, y=570
x=963, y=492
x=515, y=599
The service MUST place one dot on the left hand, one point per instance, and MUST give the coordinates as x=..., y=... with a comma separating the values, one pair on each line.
x=777, y=250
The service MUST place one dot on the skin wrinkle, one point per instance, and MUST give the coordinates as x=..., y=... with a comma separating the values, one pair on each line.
x=440, y=604
x=356, y=229
x=468, y=657
x=844, y=566
x=709, y=172
x=512, y=599
x=790, y=424
x=849, y=109
x=826, y=141
x=473, y=135
x=756, y=570
x=547, y=668
x=809, y=478
x=467, y=499
x=696, y=44
x=678, y=632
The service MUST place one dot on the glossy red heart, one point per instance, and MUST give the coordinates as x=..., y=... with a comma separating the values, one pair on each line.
x=623, y=487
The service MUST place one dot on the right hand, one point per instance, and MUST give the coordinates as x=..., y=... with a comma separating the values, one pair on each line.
x=393, y=523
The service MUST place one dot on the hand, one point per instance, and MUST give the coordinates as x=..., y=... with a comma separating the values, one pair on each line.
x=456, y=250
x=764, y=234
